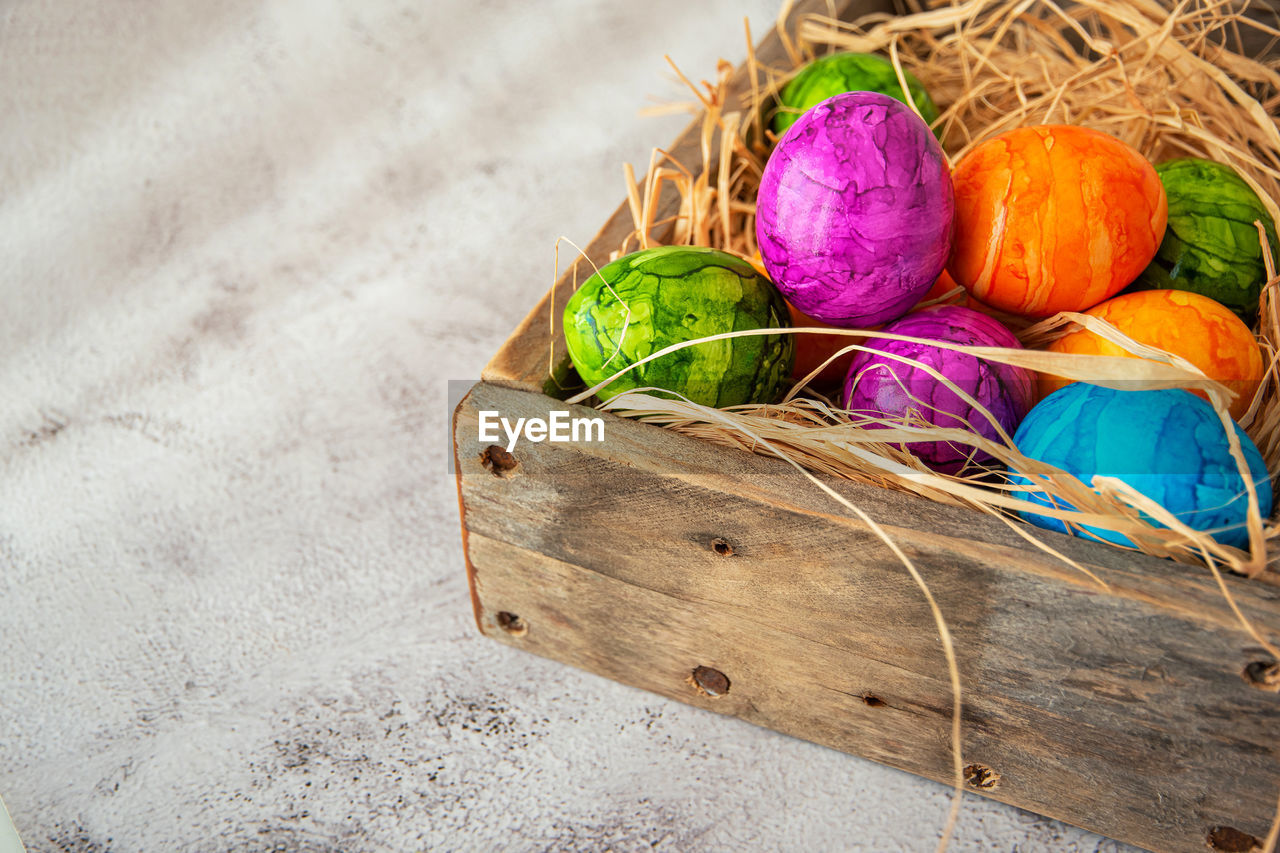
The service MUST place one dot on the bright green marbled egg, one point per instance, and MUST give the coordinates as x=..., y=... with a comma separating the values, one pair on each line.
x=846, y=72
x=1211, y=246
x=651, y=299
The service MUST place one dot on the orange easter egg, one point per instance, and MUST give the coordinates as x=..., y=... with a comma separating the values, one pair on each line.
x=1202, y=331
x=813, y=349
x=943, y=286
x=1054, y=218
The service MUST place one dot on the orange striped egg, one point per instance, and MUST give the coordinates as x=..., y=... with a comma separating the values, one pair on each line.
x=1054, y=218
x=1202, y=331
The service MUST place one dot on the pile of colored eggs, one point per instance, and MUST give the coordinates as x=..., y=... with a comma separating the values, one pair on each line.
x=860, y=218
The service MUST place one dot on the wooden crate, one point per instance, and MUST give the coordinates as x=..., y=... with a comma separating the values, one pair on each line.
x=727, y=581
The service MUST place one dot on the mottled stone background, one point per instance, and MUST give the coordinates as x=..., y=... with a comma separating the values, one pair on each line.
x=243, y=247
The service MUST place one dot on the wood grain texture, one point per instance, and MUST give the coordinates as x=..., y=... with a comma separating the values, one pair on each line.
x=533, y=358
x=727, y=581
x=1125, y=713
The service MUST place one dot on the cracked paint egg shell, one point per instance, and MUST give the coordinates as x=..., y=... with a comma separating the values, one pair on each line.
x=847, y=72
x=880, y=384
x=1195, y=327
x=654, y=298
x=1054, y=218
x=853, y=214
x=1168, y=444
x=1211, y=245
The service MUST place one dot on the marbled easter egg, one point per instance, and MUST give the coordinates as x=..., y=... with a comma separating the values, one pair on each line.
x=1167, y=444
x=1195, y=327
x=847, y=72
x=1054, y=218
x=853, y=214
x=652, y=299
x=880, y=384
x=1211, y=245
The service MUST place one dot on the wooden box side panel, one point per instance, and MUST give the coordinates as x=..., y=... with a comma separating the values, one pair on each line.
x=653, y=555
x=1123, y=713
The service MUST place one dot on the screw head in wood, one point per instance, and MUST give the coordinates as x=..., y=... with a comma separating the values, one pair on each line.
x=511, y=623
x=1263, y=674
x=498, y=461
x=708, y=681
x=1228, y=839
x=981, y=776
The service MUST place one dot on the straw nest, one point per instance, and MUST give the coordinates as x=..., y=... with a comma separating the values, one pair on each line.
x=1170, y=82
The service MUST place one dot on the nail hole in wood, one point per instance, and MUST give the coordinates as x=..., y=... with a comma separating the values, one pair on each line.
x=498, y=461
x=512, y=624
x=722, y=547
x=1230, y=840
x=873, y=700
x=981, y=776
x=1263, y=674
x=708, y=681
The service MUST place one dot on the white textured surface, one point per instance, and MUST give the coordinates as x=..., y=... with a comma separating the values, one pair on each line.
x=243, y=248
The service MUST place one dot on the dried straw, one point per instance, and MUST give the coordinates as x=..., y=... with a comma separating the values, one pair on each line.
x=1170, y=83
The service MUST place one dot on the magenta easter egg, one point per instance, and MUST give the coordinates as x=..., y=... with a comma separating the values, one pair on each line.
x=879, y=384
x=853, y=215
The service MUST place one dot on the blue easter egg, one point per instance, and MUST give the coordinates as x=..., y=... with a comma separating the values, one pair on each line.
x=1167, y=444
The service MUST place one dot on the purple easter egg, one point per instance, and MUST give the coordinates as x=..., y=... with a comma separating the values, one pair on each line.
x=880, y=385
x=853, y=215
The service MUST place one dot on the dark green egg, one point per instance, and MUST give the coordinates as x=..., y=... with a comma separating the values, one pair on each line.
x=1211, y=246
x=651, y=299
x=846, y=72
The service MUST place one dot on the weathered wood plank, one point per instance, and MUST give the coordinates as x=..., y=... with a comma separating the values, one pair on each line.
x=527, y=358
x=1125, y=713
x=651, y=555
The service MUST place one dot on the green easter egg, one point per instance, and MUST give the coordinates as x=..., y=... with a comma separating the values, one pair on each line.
x=651, y=299
x=1211, y=246
x=846, y=72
